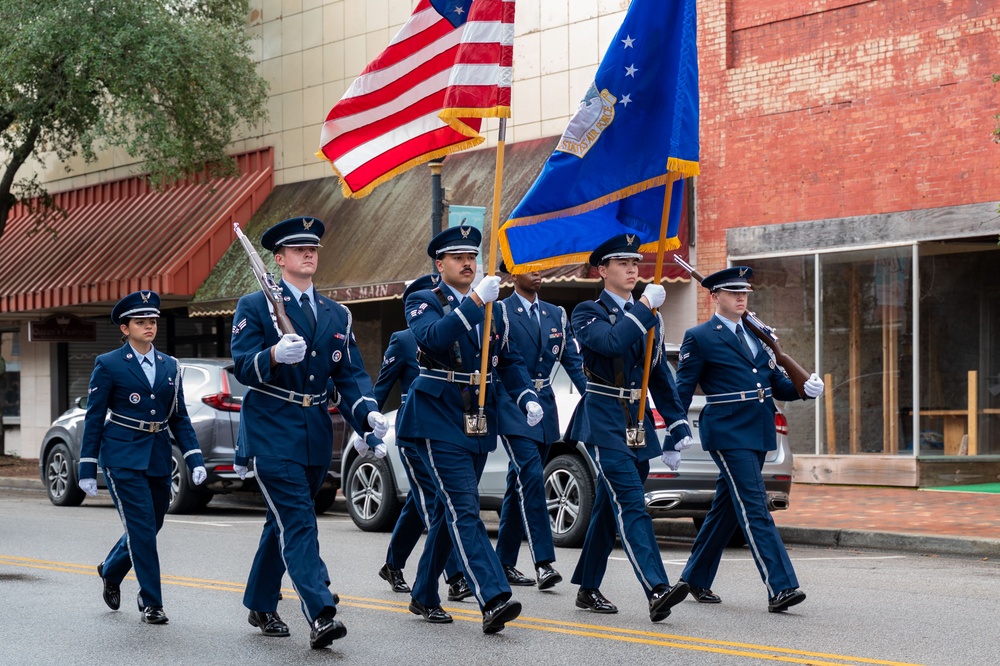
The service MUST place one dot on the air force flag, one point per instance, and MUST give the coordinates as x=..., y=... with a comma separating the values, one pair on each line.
x=637, y=123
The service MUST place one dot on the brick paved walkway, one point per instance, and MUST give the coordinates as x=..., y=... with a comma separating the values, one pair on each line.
x=901, y=510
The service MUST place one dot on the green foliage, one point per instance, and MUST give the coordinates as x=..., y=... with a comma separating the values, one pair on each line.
x=168, y=81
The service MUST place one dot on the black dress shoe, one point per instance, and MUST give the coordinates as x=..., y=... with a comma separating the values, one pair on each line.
x=395, y=579
x=112, y=591
x=270, y=624
x=785, y=599
x=325, y=630
x=499, y=614
x=153, y=615
x=664, y=598
x=595, y=601
x=547, y=576
x=459, y=590
x=434, y=614
x=703, y=595
x=515, y=577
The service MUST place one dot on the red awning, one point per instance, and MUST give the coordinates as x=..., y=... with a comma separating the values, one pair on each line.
x=122, y=236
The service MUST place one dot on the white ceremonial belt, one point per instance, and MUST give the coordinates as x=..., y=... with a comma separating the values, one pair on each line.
x=454, y=377
x=758, y=394
x=614, y=392
x=294, y=397
x=137, y=424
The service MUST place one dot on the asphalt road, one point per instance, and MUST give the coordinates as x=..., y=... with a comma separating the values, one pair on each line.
x=863, y=607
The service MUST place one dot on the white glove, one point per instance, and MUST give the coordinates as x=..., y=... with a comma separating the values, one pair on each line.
x=379, y=424
x=381, y=450
x=655, y=294
x=672, y=459
x=684, y=444
x=488, y=289
x=291, y=348
x=361, y=445
x=241, y=471
x=198, y=475
x=534, y=413
x=89, y=486
x=814, y=386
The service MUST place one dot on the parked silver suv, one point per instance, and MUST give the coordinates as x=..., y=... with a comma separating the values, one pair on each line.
x=213, y=397
x=375, y=489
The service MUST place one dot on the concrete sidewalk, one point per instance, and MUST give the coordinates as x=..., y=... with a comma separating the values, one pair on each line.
x=854, y=517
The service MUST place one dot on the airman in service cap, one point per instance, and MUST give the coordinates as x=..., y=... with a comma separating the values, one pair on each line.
x=455, y=240
x=624, y=246
x=296, y=232
x=137, y=305
x=735, y=278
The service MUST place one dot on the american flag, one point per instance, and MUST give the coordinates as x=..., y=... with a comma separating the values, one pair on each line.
x=425, y=96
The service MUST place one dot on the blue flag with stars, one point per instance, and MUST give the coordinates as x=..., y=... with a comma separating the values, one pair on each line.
x=637, y=123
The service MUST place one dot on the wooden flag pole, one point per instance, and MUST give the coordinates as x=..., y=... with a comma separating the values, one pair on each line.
x=657, y=278
x=484, y=366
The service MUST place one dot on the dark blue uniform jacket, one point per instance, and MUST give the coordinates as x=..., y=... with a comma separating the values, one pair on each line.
x=600, y=420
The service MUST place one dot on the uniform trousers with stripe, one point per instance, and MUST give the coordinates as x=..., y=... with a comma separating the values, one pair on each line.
x=740, y=503
x=415, y=515
x=142, y=502
x=290, y=539
x=455, y=522
x=524, y=510
x=619, y=508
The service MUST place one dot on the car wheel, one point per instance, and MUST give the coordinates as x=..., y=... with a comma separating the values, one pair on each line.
x=371, y=495
x=735, y=541
x=324, y=499
x=60, y=477
x=185, y=497
x=569, y=496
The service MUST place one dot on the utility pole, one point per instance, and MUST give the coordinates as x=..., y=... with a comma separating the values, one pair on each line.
x=437, y=201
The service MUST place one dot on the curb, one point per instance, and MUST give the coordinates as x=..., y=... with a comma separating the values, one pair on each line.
x=21, y=483
x=926, y=544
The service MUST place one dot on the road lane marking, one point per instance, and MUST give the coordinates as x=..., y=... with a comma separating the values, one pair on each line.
x=688, y=643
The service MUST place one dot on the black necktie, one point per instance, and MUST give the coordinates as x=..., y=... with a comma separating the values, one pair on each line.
x=308, y=312
x=533, y=318
x=743, y=341
x=628, y=306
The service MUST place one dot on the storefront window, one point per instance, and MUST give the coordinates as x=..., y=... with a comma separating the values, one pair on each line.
x=959, y=355
x=783, y=297
x=867, y=352
x=10, y=374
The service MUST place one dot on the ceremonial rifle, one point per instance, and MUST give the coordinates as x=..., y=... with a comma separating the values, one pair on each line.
x=271, y=289
x=766, y=335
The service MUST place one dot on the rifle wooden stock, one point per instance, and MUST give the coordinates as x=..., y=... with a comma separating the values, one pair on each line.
x=766, y=335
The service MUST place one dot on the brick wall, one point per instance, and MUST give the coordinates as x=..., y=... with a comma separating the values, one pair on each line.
x=832, y=108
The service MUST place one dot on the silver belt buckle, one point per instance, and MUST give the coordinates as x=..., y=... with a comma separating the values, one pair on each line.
x=635, y=438
x=307, y=400
x=154, y=427
x=760, y=394
x=743, y=395
x=539, y=384
x=474, y=379
x=635, y=394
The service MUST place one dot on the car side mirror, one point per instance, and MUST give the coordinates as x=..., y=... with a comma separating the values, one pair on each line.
x=81, y=402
